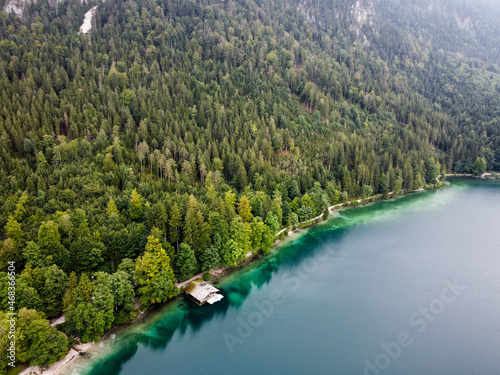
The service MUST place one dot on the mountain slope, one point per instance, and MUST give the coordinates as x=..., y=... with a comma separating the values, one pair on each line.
x=186, y=133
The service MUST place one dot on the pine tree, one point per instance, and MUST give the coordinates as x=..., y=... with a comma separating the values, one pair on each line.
x=153, y=275
x=240, y=233
x=175, y=225
x=398, y=184
x=204, y=240
x=49, y=240
x=111, y=209
x=108, y=163
x=191, y=229
x=185, y=262
x=294, y=189
x=13, y=230
x=417, y=182
x=257, y=230
x=136, y=206
x=244, y=209
x=267, y=240
x=68, y=299
x=229, y=201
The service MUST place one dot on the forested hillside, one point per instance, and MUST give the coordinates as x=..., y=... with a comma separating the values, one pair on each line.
x=177, y=136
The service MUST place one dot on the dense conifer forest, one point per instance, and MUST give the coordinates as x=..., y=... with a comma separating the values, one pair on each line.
x=177, y=136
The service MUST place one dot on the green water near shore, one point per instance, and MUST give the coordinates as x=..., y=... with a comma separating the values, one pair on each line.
x=336, y=300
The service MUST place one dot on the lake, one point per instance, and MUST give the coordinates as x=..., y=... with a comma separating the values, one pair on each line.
x=407, y=286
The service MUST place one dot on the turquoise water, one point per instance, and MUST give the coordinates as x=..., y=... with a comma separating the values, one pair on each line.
x=410, y=286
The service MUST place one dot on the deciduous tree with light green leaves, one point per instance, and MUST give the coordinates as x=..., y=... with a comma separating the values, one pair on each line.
x=55, y=283
x=272, y=222
x=479, y=166
x=33, y=255
x=123, y=295
x=91, y=311
x=232, y=254
x=37, y=342
x=210, y=258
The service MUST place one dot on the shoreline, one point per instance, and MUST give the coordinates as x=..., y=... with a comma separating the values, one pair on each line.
x=487, y=176
x=218, y=274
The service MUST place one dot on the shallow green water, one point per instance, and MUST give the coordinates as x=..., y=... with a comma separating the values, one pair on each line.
x=410, y=286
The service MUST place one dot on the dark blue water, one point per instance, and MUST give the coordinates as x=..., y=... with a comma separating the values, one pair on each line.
x=410, y=286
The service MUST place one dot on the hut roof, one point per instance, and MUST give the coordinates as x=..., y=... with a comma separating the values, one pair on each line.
x=201, y=290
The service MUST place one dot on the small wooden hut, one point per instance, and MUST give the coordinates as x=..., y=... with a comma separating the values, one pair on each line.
x=201, y=292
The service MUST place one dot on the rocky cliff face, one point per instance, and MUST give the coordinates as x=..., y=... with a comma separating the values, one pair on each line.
x=359, y=14
x=15, y=6
x=87, y=21
x=363, y=14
